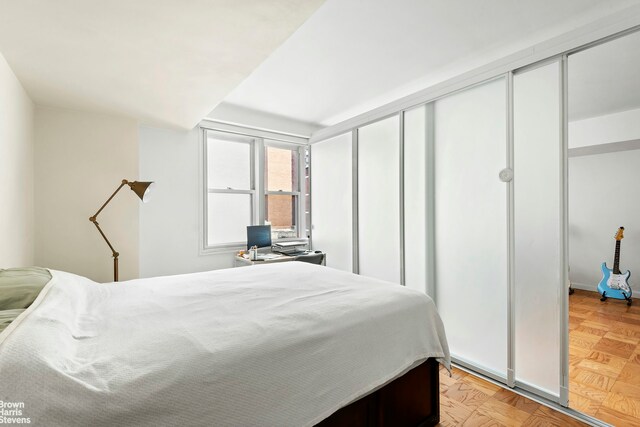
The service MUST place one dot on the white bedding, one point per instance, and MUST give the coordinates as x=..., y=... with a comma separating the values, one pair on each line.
x=285, y=344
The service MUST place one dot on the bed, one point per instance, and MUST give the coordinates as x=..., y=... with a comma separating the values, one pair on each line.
x=288, y=344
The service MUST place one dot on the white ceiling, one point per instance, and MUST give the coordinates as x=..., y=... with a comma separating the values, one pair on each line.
x=605, y=79
x=355, y=55
x=166, y=62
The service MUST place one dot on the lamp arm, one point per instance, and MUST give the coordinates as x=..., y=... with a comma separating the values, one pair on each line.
x=94, y=220
x=124, y=182
x=115, y=254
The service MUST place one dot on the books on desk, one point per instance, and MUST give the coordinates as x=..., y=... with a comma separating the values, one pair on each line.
x=290, y=248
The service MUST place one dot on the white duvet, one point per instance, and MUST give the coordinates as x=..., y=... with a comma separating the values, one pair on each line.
x=284, y=344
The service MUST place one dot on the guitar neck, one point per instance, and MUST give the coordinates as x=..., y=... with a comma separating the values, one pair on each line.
x=616, y=259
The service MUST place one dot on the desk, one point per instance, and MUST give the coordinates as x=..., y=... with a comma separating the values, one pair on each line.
x=241, y=261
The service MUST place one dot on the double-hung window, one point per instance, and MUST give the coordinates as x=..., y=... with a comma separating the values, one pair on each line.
x=282, y=190
x=231, y=188
x=253, y=180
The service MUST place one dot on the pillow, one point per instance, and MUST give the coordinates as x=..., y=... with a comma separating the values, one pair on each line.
x=19, y=287
x=8, y=316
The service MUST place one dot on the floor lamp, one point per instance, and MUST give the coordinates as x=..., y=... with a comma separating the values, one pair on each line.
x=142, y=190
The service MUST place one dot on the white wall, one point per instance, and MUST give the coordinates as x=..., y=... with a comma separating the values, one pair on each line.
x=615, y=127
x=16, y=171
x=169, y=223
x=603, y=195
x=81, y=158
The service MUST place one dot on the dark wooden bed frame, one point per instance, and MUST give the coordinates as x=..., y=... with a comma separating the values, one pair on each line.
x=412, y=400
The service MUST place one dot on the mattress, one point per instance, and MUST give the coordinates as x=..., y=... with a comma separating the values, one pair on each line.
x=285, y=344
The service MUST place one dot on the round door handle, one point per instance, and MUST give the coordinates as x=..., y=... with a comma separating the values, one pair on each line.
x=506, y=175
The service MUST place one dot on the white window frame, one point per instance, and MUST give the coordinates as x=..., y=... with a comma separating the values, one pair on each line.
x=258, y=178
x=300, y=208
x=250, y=192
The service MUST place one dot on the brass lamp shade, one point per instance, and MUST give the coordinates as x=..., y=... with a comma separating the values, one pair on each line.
x=142, y=189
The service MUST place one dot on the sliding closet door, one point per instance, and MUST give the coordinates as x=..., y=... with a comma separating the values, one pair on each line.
x=471, y=225
x=331, y=200
x=415, y=200
x=378, y=200
x=538, y=229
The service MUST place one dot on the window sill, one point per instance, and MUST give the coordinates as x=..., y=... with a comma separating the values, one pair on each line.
x=228, y=249
x=220, y=250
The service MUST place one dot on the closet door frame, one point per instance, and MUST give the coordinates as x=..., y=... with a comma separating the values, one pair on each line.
x=564, y=191
x=563, y=217
x=355, y=145
x=355, y=226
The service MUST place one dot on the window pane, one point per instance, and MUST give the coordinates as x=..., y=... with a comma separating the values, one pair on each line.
x=229, y=215
x=281, y=213
x=228, y=161
x=281, y=166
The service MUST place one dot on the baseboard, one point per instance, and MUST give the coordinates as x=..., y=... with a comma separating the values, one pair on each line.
x=583, y=287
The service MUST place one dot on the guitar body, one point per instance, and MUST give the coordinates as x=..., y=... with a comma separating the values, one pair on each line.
x=614, y=285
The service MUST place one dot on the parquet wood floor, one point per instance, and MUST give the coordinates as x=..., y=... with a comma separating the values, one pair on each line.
x=468, y=401
x=604, y=375
x=604, y=358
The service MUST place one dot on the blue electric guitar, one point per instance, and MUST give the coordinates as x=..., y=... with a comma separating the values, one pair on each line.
x=615, y=284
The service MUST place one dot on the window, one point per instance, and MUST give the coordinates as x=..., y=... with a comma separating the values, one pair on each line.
x=282, y=190
x=251, y=180
x=307, y=192
x=230, y=188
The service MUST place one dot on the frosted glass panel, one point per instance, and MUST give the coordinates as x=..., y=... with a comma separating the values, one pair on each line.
x=331, y=201
x=415, y=202
x=378, y=200
x=229, y=215
x=471, y=224
x=538, y=281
